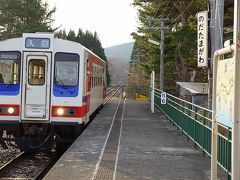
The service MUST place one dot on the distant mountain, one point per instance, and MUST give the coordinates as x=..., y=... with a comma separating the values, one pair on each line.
x=122, y=51
x=118, y=62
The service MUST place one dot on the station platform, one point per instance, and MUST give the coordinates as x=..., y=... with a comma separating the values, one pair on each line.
x=126, y=141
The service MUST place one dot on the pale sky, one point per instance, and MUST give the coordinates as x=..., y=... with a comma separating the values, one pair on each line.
x=113, y=20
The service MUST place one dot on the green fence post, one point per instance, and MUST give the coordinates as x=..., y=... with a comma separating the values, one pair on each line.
x=203, y=132
x=194, y=126
x=189, y=114
x=229, y=135
x=178, y=107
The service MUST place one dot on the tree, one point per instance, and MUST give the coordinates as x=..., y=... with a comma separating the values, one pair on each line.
x=71, y=35
x=24, y=16
x=61, y=34
x=180, y=39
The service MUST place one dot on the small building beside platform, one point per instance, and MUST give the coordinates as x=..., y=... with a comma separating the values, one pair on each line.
x=194, y=92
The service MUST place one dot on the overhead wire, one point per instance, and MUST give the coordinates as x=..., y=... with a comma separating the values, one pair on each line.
x=174, y=9
x=182, y=12
x=165, y=8
x=163, y=11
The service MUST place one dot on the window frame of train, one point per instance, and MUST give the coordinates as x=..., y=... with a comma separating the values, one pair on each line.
x=35, y=75
x=14, y=87
x=58, y=87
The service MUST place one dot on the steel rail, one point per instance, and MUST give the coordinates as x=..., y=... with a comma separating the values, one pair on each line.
x=115, y=92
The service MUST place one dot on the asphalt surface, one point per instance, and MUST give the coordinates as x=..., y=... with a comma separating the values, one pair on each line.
x=149, y=147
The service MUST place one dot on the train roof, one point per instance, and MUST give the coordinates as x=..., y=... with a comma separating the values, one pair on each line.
x=16, y=44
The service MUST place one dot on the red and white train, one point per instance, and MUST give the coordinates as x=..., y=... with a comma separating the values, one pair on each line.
x=49, y=88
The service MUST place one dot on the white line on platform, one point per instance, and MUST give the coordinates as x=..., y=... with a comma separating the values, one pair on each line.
x=97, y=166
x=119, y=141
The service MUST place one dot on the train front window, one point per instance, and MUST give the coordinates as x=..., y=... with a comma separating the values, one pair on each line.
x=66, y=69
x=9, y=67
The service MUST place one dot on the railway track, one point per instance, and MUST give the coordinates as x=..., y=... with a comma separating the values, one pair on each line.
x=29, y=165
x=110, y=93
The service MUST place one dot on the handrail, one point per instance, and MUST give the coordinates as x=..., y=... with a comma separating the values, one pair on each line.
x=185, y=101
x=194, y=121
x=225, y=50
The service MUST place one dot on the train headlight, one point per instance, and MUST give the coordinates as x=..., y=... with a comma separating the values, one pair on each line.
x=67, y=111
x=10, y=110
x=60, y=111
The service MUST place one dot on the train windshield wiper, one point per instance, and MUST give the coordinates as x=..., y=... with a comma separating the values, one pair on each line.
x=59, y=81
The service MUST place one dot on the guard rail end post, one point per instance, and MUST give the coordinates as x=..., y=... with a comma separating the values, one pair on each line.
x=152, y=92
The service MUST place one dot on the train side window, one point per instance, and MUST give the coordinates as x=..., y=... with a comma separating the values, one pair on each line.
x=92, y=76
x=97, y=77
x=92, y=81
x=36, y=72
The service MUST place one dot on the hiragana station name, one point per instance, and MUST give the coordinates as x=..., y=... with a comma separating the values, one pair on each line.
x=202, y=39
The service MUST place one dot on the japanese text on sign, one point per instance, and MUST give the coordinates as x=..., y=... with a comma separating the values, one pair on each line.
x=37, y=43
x=202, y=18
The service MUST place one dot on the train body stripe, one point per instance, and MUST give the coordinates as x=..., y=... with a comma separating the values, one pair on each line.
x=80, y=111
x=17, y=106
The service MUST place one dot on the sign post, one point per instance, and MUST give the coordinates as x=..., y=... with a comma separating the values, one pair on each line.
x=202, y=36
x=226, y=98
x=236, y=102
x=152, y=90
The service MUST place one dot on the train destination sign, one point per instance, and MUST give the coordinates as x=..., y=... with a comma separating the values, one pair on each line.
x=202, y=33
x=37, y=43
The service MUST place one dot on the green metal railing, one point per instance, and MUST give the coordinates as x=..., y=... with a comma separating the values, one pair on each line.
x=194, y=121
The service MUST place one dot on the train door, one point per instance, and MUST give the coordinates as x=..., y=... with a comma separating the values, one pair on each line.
x=36, y=86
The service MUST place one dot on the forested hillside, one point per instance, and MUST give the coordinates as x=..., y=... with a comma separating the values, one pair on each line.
x=121, y=51
x=118, y=62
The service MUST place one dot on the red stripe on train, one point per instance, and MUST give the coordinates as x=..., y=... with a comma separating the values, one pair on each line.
x=80, y=111
x=5, y=106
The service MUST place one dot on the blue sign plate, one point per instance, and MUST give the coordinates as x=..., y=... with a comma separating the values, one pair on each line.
x=37, y=43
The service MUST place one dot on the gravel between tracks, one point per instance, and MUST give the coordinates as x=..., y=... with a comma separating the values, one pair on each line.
x=8, y=154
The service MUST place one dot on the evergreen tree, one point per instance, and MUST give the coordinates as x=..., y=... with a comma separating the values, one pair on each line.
x=24, y=16
x=180, y=40
x=61, y=34
x=71, y=35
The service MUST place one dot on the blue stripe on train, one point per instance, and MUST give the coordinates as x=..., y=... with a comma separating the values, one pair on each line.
x=9, y=89
x=65, y=91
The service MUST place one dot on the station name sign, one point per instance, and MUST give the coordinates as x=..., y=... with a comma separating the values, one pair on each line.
x=202, y=33
x=37, y=43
